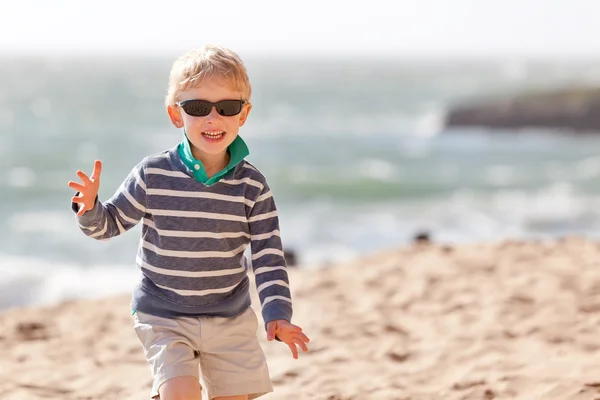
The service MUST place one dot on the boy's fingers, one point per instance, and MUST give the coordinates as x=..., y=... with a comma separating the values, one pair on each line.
x=97, y=169
x=77, y=199
x=84, y=178
x=77, y=186
x=300, y=343
x=302, y=337
x=294, y=350
x=271, y=329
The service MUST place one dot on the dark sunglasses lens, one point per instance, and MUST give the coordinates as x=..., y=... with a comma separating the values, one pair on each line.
x=228, y=108
x=197, y=108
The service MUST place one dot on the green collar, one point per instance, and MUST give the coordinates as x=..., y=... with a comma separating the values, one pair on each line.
x=238, y=150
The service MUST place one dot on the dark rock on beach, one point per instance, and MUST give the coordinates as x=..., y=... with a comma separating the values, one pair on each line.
x=572, y=109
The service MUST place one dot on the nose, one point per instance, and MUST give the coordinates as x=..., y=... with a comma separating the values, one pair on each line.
x=213, y=114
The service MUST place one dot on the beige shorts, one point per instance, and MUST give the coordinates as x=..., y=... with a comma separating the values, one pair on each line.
x=225, y=350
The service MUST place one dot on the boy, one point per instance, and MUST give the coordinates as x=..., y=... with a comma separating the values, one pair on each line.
x=201, y=204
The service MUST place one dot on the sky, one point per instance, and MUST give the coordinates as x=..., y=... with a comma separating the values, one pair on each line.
x=564, y=28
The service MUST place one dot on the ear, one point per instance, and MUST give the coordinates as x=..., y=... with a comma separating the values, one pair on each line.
x=175, y=116
x=244, y=113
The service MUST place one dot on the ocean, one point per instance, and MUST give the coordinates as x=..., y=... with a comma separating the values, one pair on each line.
x=354, y=149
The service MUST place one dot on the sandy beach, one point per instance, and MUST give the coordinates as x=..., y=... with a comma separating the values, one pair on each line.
x=509, y=320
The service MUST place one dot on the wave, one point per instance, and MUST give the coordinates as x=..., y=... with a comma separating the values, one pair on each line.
x=31, y=281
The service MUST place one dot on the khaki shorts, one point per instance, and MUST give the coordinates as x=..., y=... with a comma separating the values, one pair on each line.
x=226, y=350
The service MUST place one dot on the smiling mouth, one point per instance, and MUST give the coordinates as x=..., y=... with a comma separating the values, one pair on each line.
x=213, y=134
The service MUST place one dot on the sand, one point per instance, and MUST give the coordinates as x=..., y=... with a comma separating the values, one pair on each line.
x=511, y=320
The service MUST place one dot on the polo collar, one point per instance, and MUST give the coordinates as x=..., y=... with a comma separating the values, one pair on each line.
x=238, y=150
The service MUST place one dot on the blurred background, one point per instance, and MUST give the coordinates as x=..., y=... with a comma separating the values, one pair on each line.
x=350, y=123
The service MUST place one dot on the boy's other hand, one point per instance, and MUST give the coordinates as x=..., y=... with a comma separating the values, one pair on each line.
x=88, y=189
x=288, y=333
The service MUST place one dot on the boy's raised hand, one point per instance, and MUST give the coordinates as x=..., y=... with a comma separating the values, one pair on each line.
x=289, y=334
x=88, y=189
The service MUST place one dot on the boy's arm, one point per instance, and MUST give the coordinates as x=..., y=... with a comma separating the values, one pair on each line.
x=120, y=213
x=268, y=262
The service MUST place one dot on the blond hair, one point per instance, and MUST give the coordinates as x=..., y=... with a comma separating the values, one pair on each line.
x=208, y=62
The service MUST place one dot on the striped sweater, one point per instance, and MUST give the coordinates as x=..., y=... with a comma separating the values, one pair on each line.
x=194, y=236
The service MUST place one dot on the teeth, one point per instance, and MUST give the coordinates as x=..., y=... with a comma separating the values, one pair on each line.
x=213, y=134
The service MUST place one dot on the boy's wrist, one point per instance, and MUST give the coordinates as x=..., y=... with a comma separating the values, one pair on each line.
x=278, y=310
x=89, y=215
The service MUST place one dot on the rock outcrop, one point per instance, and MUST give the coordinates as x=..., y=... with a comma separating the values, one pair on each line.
x=574, y=109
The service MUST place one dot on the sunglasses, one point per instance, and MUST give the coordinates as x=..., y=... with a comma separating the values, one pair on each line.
x=201, y=108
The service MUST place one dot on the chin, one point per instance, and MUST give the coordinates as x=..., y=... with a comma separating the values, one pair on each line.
x=211, y=148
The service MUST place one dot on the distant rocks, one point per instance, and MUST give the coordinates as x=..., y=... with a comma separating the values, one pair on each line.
x=422, y=237
x=291, y=258
x=574, y=109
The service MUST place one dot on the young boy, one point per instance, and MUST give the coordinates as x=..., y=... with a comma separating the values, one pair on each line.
x=201, y=204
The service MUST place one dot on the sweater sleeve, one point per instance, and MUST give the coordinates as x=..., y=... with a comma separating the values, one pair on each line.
x=120, y=213
x=268, y=262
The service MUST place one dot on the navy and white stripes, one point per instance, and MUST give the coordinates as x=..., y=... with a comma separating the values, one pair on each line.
x=194, y=237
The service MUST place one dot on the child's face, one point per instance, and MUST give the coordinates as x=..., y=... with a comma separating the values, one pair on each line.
x=211, y=134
